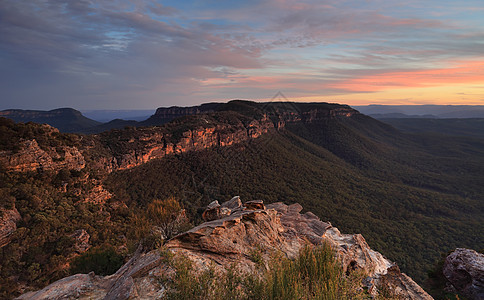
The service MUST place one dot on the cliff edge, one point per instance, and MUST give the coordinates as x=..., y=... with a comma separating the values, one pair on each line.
x=230, y=235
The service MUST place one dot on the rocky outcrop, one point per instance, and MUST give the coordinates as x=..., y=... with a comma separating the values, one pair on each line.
x=239, y=232
x=81, y=238
x=73, y=287
x=97, y=195
x=464, y=269
x=399, y=285
x=234, y=237
x=8, y=224
x=216, y=211
x=355, y=253
x=33, y=158
x=153, y=143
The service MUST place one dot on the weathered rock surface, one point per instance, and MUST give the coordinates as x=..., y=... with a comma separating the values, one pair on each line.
x=464, y=269
x=152, y=143
x=355, y=253
x=216, y=211
x=212, y=212
x=401, y=285
x=97, y=195
x=81, y=240
x=254, y=205
x=8, y=224
x=232, y=239
x=32, y=158
x=72, y=287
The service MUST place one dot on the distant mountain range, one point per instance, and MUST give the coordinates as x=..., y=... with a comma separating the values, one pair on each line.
x=431, y=118
x=105, y=115
x=73, y=121
x=422, y=111
x=64, y=119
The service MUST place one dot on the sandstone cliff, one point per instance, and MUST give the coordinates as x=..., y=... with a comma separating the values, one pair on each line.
x=239, y=230
x=189, y=134
x=202, y=127
x=210, y=125
x=31, y=157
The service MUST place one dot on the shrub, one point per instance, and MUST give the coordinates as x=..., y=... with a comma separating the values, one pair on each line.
x=168, y=216
x=103, y=260
x=314, y=274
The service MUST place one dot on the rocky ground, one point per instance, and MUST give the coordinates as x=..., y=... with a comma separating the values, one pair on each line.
x=232, y=232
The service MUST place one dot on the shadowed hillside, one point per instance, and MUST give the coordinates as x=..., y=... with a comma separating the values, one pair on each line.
x=64, y=119
x=413, y=197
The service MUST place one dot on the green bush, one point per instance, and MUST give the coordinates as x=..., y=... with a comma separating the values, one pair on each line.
x=102, y=260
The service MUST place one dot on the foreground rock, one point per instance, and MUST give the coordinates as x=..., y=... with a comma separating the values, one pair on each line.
x=238, y=233
x=464, y=269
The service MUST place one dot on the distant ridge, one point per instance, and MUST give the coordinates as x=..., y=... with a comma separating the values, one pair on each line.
x=422, y=111
x=73, y=121
x=64, y=119
x=166, y=114
x=400, y=116
x=472, y=127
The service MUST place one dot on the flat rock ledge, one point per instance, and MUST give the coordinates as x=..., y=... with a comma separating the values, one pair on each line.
x=232, y=232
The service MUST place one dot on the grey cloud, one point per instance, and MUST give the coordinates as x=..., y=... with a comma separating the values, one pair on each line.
x=68, y=50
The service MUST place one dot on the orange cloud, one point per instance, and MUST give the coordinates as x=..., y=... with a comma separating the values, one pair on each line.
x=459, y=73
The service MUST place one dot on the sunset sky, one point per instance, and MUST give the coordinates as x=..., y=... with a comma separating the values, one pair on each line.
x=146, y=54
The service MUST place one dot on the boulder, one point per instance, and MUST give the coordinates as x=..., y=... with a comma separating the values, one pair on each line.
x=254, y=205
x=212, y=212
x=233, y=203
x=464, y=269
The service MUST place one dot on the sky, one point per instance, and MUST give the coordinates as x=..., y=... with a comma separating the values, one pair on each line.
x=116, y=54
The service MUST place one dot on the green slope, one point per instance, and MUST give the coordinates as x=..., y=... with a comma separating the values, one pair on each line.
x=411, y=196
x=410, y=203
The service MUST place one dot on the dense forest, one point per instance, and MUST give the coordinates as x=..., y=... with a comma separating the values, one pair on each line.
x=406, y=213
x=412, y=196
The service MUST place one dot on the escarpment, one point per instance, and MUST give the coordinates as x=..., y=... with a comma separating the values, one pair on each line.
x=130, y=149
x=190, y=129
x=238, y=231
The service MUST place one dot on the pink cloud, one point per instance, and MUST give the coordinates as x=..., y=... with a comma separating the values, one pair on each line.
x=458, y=73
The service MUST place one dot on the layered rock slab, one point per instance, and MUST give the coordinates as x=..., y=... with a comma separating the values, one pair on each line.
x=233, y=238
